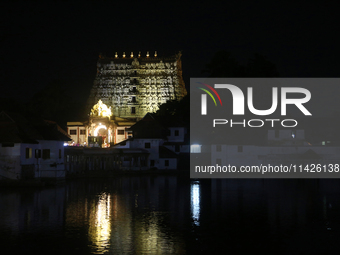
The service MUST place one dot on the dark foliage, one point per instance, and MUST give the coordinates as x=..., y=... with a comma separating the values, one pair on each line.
x=175, y=112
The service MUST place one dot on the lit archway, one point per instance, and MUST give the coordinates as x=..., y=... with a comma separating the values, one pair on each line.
x=97, y=129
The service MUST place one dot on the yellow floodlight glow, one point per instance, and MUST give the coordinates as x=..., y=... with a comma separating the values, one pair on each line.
x=101, y=110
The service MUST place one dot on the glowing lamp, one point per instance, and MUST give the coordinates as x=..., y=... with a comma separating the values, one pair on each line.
x=195, y=148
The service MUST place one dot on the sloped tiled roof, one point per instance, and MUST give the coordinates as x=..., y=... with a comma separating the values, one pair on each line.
x=169, y=121
x=14, y=128
x=148, y=127
x=166, y=153
x=13, y=134
x=310, y=154
x=51, y=131
x=123, y=142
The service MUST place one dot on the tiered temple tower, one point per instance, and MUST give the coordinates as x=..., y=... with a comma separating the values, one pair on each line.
x=133, y=85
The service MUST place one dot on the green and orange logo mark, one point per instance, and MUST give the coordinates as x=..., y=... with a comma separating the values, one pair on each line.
x=204, y=97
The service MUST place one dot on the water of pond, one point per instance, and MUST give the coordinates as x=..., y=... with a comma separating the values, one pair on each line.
x=172, y=215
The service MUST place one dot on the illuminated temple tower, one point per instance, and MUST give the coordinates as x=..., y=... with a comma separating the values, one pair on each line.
x=133, y=85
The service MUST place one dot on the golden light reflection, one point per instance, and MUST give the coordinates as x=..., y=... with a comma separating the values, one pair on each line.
x=115, y=227
x=153, y=239
x=100, y=224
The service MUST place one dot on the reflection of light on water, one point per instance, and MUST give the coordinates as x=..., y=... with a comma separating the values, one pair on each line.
x=101, y=229
x=154, y=238
x=151, y=235
x=195, y=202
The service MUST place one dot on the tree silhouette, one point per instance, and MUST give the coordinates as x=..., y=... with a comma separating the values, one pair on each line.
x=175, y=111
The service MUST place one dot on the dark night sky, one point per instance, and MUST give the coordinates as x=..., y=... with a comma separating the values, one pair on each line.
x=41, y=42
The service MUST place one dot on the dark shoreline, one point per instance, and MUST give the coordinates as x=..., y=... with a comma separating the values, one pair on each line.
x=50, y=182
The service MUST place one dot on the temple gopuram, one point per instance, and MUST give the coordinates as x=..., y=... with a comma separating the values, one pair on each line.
x=125, y=89
x=133, y=85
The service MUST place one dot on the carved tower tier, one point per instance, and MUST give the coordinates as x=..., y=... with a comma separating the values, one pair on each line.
x=133, y=85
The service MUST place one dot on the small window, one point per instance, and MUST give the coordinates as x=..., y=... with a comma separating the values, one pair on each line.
x=166, y=163
x=46, y=154
x=37, y=153
x=120, y=132
x=176, y=132
x=133, y=110
x=133, y=99
x=134, y=89
x=152, y=162
x=28, y=153
x=218, y=147
x=82, y=131
x=240, y=148
x=219, y=161
x=73, y=132
x=147, y=146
